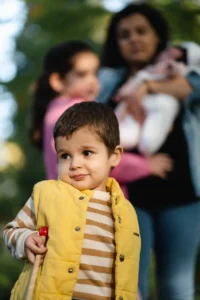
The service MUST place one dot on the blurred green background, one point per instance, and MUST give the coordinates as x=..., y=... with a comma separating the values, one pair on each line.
x=45, y=23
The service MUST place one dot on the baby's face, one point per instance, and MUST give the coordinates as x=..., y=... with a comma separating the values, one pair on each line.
x=172, y=53
x=83, y=160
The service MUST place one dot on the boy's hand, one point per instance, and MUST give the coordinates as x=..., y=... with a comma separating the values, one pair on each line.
x=160, y=165
x=34, y=244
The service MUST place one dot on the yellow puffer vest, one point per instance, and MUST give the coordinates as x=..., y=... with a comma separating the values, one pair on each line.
x=62, y=209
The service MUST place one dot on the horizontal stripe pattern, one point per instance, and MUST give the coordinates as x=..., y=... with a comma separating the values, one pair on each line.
x=97, y=263
x=82, y=295
x=16, y=231
x=100, y=276
x=97, y=269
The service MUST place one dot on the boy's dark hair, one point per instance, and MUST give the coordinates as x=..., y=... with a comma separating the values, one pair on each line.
x=58, y=59
x=96, y=116
x=111, y=55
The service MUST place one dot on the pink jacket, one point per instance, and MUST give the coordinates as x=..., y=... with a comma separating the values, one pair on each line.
x=54, y=111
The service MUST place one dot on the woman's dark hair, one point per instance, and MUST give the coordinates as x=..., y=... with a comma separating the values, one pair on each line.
x=59, y=59
x=111, y=55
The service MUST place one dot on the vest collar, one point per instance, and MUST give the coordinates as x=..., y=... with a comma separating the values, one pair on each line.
x=112, y=187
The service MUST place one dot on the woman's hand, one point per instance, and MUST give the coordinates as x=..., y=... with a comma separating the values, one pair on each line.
x=131, y=90
x=126, y=90
x=160, y=165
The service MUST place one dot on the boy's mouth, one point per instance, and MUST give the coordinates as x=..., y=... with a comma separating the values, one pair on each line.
x=79, y=177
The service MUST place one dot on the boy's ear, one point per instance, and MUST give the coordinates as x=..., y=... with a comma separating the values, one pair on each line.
x=116, y=156
x=56, y=82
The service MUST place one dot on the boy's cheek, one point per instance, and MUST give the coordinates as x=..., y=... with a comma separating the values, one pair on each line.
x=62, y=170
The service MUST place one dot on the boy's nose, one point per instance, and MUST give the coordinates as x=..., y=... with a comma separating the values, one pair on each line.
x=75, y=163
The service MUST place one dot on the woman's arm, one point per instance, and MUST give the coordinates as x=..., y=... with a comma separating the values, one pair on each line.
x=193, y=78
x=133, y=167
x=179, y=87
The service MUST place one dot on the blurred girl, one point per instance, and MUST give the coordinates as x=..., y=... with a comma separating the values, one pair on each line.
x=68, y=77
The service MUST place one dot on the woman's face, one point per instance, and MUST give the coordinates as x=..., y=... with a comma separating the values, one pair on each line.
x=137, y=39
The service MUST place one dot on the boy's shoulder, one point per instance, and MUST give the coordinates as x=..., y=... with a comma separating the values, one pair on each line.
x=47, y=186
x=117, y=193
x=44, y=183
x=51, y=186
x=128, y=206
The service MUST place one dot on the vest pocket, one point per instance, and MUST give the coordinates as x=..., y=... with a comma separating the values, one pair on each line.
x=20, y=288
x=127, y=261
x=136, y=245
x=130, y=238
x=58, y=277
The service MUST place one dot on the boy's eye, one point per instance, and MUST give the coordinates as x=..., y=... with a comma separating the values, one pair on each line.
x=65, y=156
x=87, y=152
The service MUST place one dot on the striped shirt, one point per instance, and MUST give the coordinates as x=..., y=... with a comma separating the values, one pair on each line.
x=97, y=264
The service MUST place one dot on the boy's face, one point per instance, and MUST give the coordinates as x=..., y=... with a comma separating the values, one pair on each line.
x=83, y=160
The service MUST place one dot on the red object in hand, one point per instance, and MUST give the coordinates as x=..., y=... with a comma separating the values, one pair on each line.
x=43, y=231
x=29, y=296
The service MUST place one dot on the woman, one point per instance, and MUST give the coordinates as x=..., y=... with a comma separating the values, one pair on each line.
x=168, y=209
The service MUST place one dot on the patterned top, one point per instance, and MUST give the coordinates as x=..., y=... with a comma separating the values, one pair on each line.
x=97, y=264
